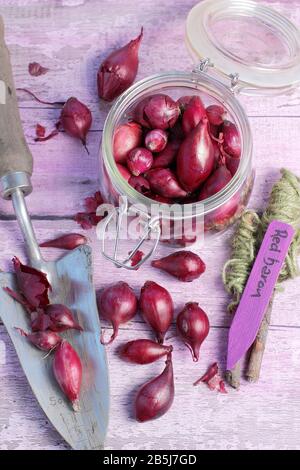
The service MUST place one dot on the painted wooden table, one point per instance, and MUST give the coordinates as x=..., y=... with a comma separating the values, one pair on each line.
x=71, y=37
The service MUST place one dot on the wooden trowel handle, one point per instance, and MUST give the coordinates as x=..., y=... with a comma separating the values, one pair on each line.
x=15, y=157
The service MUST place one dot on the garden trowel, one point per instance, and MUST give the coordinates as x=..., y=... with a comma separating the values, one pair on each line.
x=71, y=281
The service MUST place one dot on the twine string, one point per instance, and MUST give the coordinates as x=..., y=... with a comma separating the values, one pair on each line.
x=284, y=205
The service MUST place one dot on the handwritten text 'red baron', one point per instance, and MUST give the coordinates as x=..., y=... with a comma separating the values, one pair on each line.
x=270, y=261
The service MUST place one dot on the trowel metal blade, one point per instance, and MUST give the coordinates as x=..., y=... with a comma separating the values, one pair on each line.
x=71, y=277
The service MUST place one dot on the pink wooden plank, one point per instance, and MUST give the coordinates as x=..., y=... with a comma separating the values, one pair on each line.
x=262, y=416
x=73, y=48
x=64, y=174
x=207, y=290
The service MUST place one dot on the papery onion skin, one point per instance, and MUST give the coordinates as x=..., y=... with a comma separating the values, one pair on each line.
x=40, y=130
x=19, y=297
x=211, y=372
x=32, y=283
x=174, y=237
x=156, y=396
x=39, y=321
x=157, y=308
x=35, y=69
x=91, y=203
x=193, y=326
x=213, y=379
x=136, y=258
x=88, y=219
x=144, y=351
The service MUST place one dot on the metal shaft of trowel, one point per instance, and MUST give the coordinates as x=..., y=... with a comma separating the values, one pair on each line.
x=25, y=224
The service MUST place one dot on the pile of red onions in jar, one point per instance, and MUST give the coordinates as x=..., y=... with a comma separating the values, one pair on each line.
x=178, y=151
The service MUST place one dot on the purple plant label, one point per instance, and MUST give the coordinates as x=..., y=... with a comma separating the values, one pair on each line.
x=258, y=291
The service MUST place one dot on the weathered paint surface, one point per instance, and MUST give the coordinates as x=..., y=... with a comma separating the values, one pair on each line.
x=70, y=39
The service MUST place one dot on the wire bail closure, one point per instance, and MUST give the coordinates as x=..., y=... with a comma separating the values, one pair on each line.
x=151, y=225
x=235, y=78
x=206, y=63
x=203, y=65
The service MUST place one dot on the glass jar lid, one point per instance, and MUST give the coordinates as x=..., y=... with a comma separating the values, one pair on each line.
x=258, y=48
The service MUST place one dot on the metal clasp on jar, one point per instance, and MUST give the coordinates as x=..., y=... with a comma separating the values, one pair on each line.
x=203, y=65
x=151, y=226
x=206, y=63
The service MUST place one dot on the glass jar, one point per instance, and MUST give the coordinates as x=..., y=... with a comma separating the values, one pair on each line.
x=223, y=208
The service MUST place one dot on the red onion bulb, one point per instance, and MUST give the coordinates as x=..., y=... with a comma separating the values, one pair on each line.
x=215, y=114
x=126, y=137
x=196, y=157
x=156, y=396
x=157, y=308
x=157, y=112
x=193, y=113
x=76, y=119
x=139, y=183
x=67, y=370
x=156, y=140
x=117, y=304
x=215, y=183
x=139, y=160
x=166, y=157
x=232, y=140
x=164, y=182
x=44, y=340
x=185, y=265
x=119, y=70
x=193, y=326
x=61, y=318
x=144, y=351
